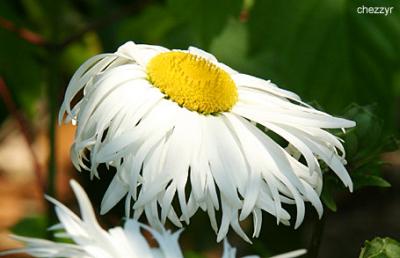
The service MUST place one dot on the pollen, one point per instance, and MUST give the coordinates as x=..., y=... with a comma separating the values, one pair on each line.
x=192, y=82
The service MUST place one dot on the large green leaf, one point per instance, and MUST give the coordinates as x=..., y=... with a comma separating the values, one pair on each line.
x=326, y=51
x=231, y=45
x=205, y=18
x=381, y=248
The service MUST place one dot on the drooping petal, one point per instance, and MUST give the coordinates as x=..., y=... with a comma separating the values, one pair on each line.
x=165, y=153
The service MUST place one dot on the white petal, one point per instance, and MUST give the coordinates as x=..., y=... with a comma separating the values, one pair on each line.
x=139, y=53
x=245, y=80
x=302, y=119
x=291, y=254
x=115, y=192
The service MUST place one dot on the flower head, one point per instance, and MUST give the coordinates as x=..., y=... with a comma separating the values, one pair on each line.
x=179, y=124
x=91, y=241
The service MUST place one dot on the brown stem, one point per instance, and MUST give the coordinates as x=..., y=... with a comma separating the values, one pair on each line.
x=12, y=108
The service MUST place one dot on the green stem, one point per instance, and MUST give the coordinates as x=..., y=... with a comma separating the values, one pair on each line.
x=316, y=237
x=53, y=61
x=52, y=102
x=53, y=106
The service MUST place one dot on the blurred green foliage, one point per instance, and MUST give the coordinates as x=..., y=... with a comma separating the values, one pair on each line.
x=326, y=51
x=381, y=248
x=363, y=145
x=323, y=50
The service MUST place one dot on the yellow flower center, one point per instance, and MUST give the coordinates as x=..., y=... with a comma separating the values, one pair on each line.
x=193, y=82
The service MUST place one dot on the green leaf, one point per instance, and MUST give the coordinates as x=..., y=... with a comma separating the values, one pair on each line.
x=361, y=180
x=364, y=145
x=206, y=18
x=351, y=142
x=235, y=36
x=381, y=248
x=325, y=50
x=78, y=52
x=34, y=226
x=391, y=143
x=368, y=133
x=157, y=17
x=327, y=195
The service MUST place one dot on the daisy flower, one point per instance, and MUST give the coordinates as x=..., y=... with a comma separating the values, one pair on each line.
x=178, y=124
x=91, y=241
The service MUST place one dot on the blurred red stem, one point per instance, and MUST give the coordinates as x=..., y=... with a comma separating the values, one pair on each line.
x=23, y=33
x=37, y=39
x=10, y=105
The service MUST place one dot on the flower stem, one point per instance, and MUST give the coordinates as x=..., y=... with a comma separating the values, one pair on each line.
x=316, y=237
x=52, y=102
x=53, y=52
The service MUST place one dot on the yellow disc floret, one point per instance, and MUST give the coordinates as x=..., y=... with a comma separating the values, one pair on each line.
x=193, y=82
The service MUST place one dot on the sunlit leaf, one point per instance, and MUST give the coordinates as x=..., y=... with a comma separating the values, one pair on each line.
x=34, y=226
x=235, y=36
x=381, y=248
x=78, y=52
x=206, y=18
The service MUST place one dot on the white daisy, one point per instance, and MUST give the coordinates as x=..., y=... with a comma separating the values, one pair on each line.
x=178, y=123
x=91, y=241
